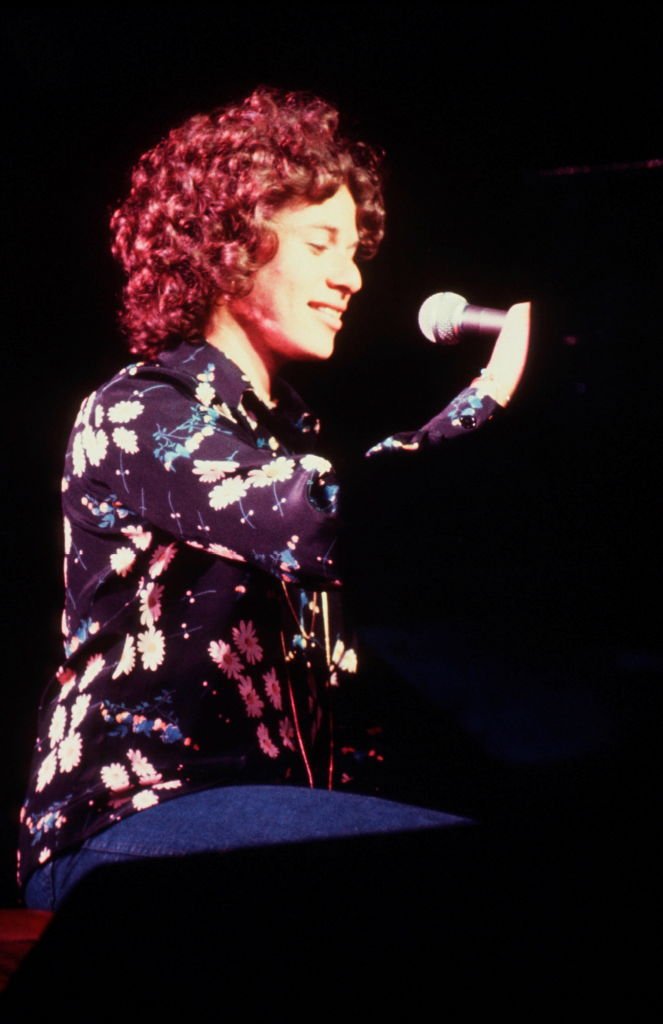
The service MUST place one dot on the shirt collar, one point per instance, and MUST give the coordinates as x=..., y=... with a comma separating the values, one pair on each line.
x=202, y=360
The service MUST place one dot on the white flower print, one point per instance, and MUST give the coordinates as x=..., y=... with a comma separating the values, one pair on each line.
x=67, y=535
x=287, y=733
x=205, y=393
x=223, y=655
x=92, y=670
x=79, y=710
x=67, y=688
x=78, y=455
x=146, y=799
x=246, y=642
x=161, y=559
x=127, y=659
x=44, y=855
x=47, y=770
x=193, y=443
x=116, y=777
x=344, y=658
x=265, y=741
x=96, y=445
x=231, y=490
x=124, y=412
x=273, y=688
x=150, y=604
x=224, y=552
x=171, y=784
x=122, y=560
x=70, y=751
x=85, y=411
x=211, y=470
x=98, y=415
x=138, y=536
x=316, y=462
x=144, y=769
x=348, y=662
x=337, y=652
x=272, y=472
x=58, y=725
x=223, y=409
x=152, y=646
x=125, y=439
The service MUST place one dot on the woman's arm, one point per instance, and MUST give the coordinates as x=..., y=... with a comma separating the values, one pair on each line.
x=505, y=367
x=476, y=404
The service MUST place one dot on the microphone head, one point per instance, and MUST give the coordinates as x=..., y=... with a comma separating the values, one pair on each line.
x=440, y=316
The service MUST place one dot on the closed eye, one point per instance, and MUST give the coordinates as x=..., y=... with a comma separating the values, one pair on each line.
x=317, y=248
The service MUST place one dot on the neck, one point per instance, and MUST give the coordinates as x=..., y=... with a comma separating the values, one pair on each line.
x=228, y=336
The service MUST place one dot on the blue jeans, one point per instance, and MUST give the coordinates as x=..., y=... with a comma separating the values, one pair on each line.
x=228, y=818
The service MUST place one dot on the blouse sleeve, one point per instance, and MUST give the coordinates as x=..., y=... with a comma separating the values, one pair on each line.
x=152, y=453
x=467, y=412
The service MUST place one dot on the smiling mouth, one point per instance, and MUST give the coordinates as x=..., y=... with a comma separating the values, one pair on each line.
x=330, y=314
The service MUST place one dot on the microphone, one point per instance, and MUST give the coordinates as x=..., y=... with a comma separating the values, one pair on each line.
x=445, y=317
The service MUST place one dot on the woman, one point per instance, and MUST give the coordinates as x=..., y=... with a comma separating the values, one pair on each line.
x=202, y=632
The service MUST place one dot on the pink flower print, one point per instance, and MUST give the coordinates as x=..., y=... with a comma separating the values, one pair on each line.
x=150, y=603
x=65, y=676
x=245, y=684
x=223, y=655
x=265, y=742
x=246, y=641
x=254, y=703
x=161, y=559
x=287, y=733
x=273, y=688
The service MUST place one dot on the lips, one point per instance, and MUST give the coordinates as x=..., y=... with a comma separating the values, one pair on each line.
x=330, y=313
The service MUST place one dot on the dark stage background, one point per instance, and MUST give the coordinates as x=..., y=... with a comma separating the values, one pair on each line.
x=506, y=588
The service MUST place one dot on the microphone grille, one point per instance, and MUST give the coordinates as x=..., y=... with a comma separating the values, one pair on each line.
x=439, y=317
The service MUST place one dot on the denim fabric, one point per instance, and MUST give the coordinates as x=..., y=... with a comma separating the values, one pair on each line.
x=229, y=818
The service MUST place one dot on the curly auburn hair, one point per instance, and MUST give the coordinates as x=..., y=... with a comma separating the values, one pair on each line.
x=193, y=229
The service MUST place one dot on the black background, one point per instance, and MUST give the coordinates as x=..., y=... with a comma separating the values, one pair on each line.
x=512, y=579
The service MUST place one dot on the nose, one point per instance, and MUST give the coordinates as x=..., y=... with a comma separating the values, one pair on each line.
x=344, y=275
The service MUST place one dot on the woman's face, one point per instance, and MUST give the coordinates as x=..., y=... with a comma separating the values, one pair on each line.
x=295, y=307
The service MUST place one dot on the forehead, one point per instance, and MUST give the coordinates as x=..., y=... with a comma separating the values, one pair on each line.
x=337, y=214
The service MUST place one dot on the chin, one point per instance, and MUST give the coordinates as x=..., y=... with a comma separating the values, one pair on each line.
x=318, y=354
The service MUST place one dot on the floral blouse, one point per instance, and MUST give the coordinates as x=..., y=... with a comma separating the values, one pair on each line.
x=202, y=630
